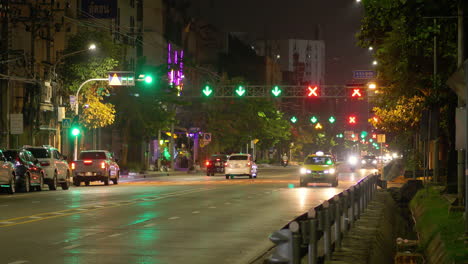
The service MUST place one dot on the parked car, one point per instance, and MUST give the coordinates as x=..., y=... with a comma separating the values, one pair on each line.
x=95, y=165
x=29, y=173
x=318, y=168
x=55, y=166
x=215, y=164
x=7, y=174
x=240, y=164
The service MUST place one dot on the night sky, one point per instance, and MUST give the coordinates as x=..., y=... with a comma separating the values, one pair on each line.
x=280, y=19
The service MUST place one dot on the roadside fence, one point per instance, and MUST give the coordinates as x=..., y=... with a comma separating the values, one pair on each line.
x=317, y=233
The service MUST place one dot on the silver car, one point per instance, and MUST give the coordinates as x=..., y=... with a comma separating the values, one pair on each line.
x=7, y=174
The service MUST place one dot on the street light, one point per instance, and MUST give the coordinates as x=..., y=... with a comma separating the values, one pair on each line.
x=371, y=48
x=372, y=86
x=374, y=62
x=91, y=47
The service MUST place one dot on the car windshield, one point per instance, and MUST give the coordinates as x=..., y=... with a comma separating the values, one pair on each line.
x=221, y=157
x=368, y=157
x=92, y=155
x=10, y=154
x=40, y=153
x=318, y=161
x=238, y=157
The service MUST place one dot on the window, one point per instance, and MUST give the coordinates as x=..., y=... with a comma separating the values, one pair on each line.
x=40, y=153
x=56, y=155
x=239, y=157
x=92, y=155
x=318, y=161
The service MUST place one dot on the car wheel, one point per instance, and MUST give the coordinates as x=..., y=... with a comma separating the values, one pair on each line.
x=212, y=174
x=76, y=182
x=12, y=188
x=227, y=177
x=41, y=183
x=335, y=183
x=250, y=176
x=208, y=173
x=27, y=183
x=106, y=181
x=303, y=184
x=116, y=180
x=65, y=185
x=87, y=183
x=53, y=184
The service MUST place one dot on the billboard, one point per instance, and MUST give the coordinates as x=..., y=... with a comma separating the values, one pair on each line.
x=98, y=9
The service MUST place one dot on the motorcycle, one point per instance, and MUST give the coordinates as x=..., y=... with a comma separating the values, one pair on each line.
x=284, y=162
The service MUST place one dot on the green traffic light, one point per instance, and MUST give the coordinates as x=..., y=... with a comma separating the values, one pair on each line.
x=293, y=119
x=240, y=91
x=207, y=91
x=313, y=119
x=148, y=79
x=276, y=91
x=75, y=131
x=363, y=134
x=332, y=119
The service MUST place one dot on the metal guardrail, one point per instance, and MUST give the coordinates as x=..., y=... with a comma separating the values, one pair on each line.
x=318, y=232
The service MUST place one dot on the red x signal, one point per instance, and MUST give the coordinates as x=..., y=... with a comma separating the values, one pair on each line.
x=352, y=120
x=312, y=91
x=356, y=92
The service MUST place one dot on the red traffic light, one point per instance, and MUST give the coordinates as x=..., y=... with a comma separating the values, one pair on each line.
x=356, y=92
x=352, y=120
x=312, y=91
x=374, y=136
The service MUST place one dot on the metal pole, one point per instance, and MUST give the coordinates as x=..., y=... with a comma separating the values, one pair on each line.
x=326, y=230
x=466, y=147
x=460, y=152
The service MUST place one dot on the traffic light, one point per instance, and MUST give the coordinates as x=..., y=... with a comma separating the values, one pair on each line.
x=75, y=131
x=340, y=135
x=313, y=119
x=356, y=92
x=318, y=126
x=276, y=91
x=293, y=119
x=148, y=79
x=312, y=91
x=207, y=91
x=363, y=134
x=240, y=91
x=331, y=119
x=352, y=120
x=374, y=136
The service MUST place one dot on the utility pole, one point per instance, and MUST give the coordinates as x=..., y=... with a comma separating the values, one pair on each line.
x=461, y=58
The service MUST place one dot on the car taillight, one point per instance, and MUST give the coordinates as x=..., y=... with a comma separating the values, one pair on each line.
x=44, y=163
x=248, y=164
x=103, y=165
x=226, y=164
x=73, y=165
x=87, y=161
x=207, y=163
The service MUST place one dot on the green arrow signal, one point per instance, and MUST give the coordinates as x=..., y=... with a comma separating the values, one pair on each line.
x=293, y=119
x=207, y=91
x=331, y=119
x=276, y=91
x=313, y=120
x=240, y=91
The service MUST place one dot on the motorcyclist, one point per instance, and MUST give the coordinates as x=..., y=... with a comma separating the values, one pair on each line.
x=285, y=160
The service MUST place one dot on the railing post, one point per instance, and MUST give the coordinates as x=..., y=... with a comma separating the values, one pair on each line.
x=338, y=212
x=313, y=239
x=358, y=193
x=345, y=211
x=352, y=194
x=296, y=242
x=326, y=230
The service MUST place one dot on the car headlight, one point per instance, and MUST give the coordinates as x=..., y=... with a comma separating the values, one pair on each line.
x=374, y=162
x=363, y=161
x=303, y=171
x=352, y=160
x=331, y=171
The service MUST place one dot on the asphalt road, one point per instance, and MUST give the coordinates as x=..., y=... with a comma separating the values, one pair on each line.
x=171, y=219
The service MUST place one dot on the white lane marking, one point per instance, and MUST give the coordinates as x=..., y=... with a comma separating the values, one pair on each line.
x=4, y=205
x=81, y=209
x=114, y=235
x=99, y=206
x=195, y=212
x=212, y=207
x=227, y=203
x=6, y=223
x=174, y=218
x=35, y=217
x=19, y=262
x=57, y=213
x=71, y=246
x=149, y=225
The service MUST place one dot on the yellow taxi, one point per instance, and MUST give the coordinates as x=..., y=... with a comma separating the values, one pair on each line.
x=318, y=168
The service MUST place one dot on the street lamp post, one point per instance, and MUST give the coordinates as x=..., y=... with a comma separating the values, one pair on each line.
x=77, y=107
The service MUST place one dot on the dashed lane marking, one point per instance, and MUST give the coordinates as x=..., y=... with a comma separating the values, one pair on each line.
x=195, y=212
x=150, y=225
x=212, y=207
x=174, y=218
x=49, y=215
x=71, y=246
x=114, y=235
x=19, y=262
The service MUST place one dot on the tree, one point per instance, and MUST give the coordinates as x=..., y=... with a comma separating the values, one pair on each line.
x=79, y=68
